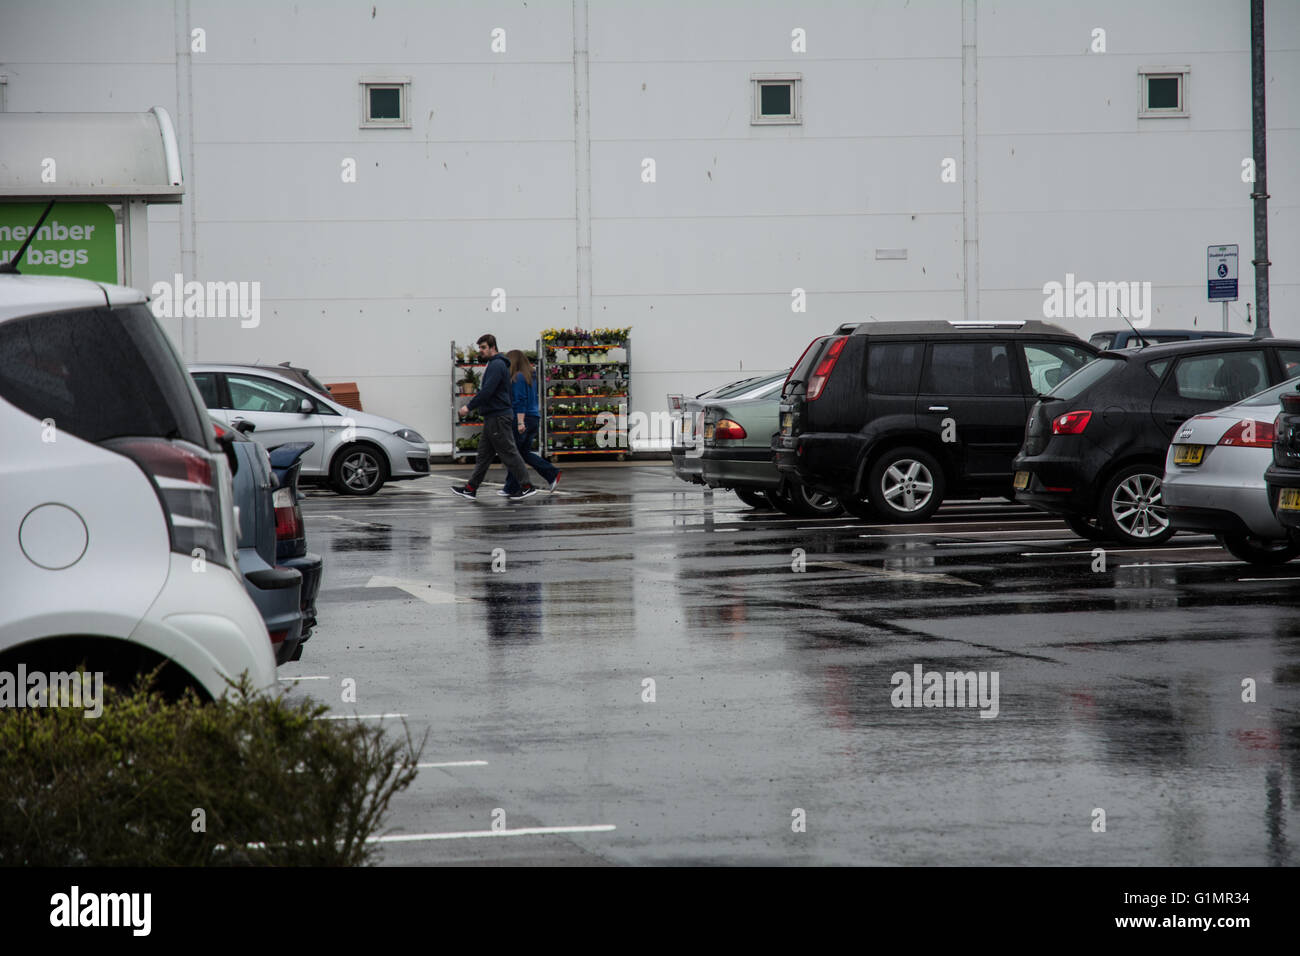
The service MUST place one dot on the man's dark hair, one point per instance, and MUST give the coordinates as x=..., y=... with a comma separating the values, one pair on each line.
x=488, y=339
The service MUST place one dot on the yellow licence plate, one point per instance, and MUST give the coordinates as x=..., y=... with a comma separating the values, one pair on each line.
x=1188, y=454
x=1289, y=500
x=1022, y=480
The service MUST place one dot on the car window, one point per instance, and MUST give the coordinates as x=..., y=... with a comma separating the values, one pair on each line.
x=893, y=367
x=1157, y=369
x=1088, y=376
x=1101, y=340
x=1271, y=395
x=1290, y=359
x=207, y=386
x=1050, y=363
x=1224, y=377
x=251, y=394
x=969, y=368
x=100, y=374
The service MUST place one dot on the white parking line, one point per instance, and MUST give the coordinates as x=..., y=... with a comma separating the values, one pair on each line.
x=1284, y=577
x=985, y=544
x=290, y=679
x=955, y=534
x=1174, y=564
x=359, y=716
x=1088, y=551
x=452, y=763
x=473, y=834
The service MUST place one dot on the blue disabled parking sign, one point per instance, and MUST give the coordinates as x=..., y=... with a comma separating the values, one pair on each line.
x=1221, y=273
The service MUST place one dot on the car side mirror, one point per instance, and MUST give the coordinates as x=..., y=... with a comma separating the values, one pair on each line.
x=245, y=426
x=306, y=407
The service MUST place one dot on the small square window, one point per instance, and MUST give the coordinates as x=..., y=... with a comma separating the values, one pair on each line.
x=384, y=102
x=776, y=99
x=1162, y=92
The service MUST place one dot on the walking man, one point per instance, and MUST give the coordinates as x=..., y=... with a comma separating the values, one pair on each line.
x=498, y=437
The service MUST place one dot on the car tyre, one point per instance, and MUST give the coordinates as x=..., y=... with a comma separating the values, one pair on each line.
x=754, y=498
x=906, y=484
x=1262, y=551
x=1086, y=528
x=800, y=501
x=358, y=470
x=1133, y=507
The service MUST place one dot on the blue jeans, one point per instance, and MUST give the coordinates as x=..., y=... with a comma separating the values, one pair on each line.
x=524, y=442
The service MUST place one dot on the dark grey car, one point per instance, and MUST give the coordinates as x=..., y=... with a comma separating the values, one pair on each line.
x=276, y=591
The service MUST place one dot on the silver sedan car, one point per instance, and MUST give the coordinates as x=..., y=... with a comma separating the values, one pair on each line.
x=356, y=452
x=1214, y=478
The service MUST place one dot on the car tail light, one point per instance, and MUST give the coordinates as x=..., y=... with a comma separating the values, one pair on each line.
x=821, y=374
x=728, y=429
x=277, y=637
x=186, y=481
x=288, y=515
x=1249, y=434
x=218, y=430
x=1071, y=423
x=800, y=362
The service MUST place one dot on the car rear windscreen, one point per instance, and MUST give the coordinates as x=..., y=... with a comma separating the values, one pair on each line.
x=1092, y=373
x=99, y=374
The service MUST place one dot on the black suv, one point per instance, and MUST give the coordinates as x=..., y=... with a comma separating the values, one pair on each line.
x=1095, y=445
x=896, y=416
x=1282, y=477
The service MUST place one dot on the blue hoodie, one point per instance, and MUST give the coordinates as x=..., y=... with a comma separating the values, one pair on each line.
x=493, y=396
x=525, y=396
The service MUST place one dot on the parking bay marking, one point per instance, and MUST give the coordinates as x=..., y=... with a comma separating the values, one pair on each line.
x=473, y=834
x=419, y=589
x=360, y=716
x=1088, y=551
x=292, y=679
x=889, y=575
x=451, y=763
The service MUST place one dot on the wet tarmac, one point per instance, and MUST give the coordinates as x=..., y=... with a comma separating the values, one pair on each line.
x=784, y=726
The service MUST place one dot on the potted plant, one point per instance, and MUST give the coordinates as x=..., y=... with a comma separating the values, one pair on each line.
x=469, y=382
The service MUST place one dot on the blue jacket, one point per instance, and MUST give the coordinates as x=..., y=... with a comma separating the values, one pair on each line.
x=493, y=396
x=525, y=396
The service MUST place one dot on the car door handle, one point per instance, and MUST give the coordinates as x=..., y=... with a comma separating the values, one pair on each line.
x=938, y=408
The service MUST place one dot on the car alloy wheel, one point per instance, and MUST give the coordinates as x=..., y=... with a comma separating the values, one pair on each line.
x=1135, y=507
x=907, y=485
x=359, y=470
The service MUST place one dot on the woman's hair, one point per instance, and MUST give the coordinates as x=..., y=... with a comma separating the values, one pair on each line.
x=519, y=364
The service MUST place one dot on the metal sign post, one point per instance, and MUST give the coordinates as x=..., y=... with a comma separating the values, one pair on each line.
x=1221, y=276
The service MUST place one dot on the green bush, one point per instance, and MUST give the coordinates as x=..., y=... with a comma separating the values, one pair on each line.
x=277, y=786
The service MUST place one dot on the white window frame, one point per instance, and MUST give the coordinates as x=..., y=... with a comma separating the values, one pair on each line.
x=1181, y=73
x=758, y=80
x=403, y=83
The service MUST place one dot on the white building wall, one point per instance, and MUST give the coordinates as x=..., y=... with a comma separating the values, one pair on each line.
x=367, y=282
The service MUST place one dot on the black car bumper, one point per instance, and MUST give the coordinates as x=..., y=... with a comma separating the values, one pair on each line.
x=824, y=461
x=1277, y=479
x=310, y=566
x=1058, y=484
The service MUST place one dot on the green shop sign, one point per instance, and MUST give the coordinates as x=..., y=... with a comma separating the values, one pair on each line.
x=78, y=239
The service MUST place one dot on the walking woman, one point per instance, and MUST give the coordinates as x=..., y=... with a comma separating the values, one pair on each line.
x=528, y=417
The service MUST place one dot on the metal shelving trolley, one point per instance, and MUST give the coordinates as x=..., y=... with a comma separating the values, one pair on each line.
x=585, y=377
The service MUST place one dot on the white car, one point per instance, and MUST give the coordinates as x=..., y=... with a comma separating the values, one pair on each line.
x=355, y=451
x=117, y=533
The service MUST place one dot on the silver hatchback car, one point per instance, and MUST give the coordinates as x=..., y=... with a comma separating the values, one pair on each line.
x=356, y=452
x=1214, y=478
